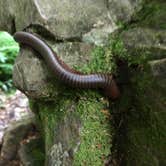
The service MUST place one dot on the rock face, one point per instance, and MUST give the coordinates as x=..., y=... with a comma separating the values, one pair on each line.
x=91, y=19
x=159, y=68
x=27, y=152
x=152, y=40
x=34, y=80
x=140, y=113
x=15, y=133
x=76, y=123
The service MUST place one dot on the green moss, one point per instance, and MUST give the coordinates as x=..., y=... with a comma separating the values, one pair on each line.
x=95, y=135
x=50, y=114
x=34, y=152
x=139, y=127
x=141, y=111
x=140, y=119
x=100, y=61
x=146, y=126
x=152, y=15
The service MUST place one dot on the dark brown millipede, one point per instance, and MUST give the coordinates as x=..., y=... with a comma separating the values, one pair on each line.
x=66, y=74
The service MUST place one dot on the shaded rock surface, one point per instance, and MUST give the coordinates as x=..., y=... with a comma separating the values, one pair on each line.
x=152, y=40
x=31, y=153
x=139, y=116
x=159, y=68
x=13, y=136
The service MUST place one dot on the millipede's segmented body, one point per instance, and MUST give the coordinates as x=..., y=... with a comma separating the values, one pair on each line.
x=65, y=73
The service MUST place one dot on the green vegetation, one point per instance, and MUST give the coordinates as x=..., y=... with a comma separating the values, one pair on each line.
x=100, y=62
x=8, y=51
x=35, y=151
x=140, y=128
x=94, y=136
x=152, y=14
x=141, y=109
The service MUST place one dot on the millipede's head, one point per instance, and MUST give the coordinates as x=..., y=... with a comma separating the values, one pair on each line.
x=112, y=91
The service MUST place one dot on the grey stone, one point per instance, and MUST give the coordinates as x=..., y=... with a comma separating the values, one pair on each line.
x=35, y=79
x=32, y=78
x=158, y=68
x=123, y=10
x=146, y=39
x=32, y=152
x=13, y=135
x=89, y=20
x=66, y=142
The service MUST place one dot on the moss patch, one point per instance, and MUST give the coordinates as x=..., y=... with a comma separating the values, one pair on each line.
x=33, y=152
x=138, y=116
x=96, y=133
x=140, y=113
x=100, y=61
x=152, y=15
x=147, y=126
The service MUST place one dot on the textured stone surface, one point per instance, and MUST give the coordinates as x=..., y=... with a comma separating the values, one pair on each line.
x=27, y=152
x=66, y=142
x=152, y=40
x=13, y=135
x=92, y=19
x=31, y=79
x=158, y=68
x=35, y=79
x=122, y=10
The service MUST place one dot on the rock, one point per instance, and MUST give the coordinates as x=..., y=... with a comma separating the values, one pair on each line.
x=151, y=40
x=36, y=81
x=74, y=127
x=12, y=137
x=123, y=10
x=66, y=142
x=15, y=106
x=92, y=19
x=31, y=80
x=32, y=152
x=158, y=68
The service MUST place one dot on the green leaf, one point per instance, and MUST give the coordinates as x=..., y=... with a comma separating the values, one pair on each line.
x=3, y=58
x=7, y=68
